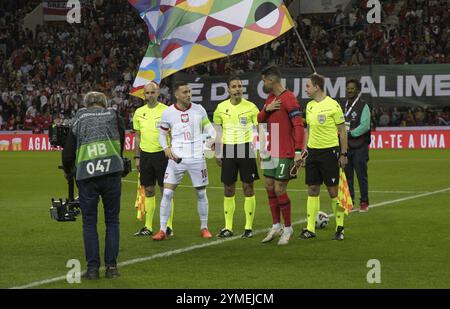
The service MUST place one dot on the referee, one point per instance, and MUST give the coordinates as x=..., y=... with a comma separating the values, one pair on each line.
x=149, y=155
x=238, y=117
x=325, y=132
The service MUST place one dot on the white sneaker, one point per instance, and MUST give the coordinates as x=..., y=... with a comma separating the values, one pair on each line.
x=272, y=234
x=284, y=239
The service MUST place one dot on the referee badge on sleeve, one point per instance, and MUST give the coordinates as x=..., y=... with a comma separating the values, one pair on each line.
x=322, y=118
x=243, y=121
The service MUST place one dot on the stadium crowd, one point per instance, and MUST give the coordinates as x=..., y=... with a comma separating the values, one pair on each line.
x=44, y=74
x=409, y=117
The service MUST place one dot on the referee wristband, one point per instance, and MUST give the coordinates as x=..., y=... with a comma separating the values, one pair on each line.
x=137, y=157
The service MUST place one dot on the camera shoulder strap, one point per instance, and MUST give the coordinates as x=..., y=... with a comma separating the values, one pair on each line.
x=122, y=138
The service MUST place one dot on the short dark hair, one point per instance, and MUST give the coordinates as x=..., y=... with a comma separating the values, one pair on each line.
x=354, y=81
x=178, y=84
x=317, y=80
x=232, y=78
x=272, y=71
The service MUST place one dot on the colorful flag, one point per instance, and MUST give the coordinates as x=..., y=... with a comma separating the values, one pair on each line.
x=344, y=197
x=140, y=200
x=184, y=33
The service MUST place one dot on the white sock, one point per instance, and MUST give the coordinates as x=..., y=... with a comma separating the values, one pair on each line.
x=202, y=208
x=165, y=208
x=276, y=226
x=288, y=229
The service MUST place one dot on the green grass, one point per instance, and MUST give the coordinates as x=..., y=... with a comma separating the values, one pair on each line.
x=410, y=238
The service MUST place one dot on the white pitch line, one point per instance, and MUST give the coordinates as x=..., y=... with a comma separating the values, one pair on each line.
x=296, y=190
x=218, y=242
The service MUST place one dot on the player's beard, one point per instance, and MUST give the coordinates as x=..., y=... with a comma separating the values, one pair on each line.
x=266, y=89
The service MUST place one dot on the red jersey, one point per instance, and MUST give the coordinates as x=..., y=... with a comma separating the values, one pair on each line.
x=287, y=135
x=28, y=122
x=46, y=121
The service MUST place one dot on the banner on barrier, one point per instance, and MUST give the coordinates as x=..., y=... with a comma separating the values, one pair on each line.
x=408, y=139
x=384, y=139
x=40, y=142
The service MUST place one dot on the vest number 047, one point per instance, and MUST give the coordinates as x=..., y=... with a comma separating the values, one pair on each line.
x=102, y=166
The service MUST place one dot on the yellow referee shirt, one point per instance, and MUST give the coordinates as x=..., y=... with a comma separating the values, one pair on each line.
x=147, y=121
x=322, y=118
x=237, y=121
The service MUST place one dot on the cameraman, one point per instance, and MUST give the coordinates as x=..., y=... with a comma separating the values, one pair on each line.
x=94, y=146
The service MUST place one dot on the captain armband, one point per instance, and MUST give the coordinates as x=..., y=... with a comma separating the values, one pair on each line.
x=294, y=113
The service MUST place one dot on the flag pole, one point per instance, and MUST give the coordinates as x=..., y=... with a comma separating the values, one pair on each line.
x=305, y=51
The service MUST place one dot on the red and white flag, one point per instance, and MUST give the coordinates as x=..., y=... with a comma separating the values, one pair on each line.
x=54, y=10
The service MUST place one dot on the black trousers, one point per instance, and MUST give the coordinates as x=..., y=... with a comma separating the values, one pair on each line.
x=357, y=161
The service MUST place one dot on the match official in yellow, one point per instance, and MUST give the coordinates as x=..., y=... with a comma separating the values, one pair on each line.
x=238, y=118
x=326, y=141
x=151, y=161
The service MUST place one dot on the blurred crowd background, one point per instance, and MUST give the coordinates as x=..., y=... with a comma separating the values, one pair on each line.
x=44, y=74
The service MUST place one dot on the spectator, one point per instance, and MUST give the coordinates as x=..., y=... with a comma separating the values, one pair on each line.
x=419, y=117
x=384, y=120
x=31, y=111
x=396, y=117
x=338, y=18
x=443, y=119
x=409, y=119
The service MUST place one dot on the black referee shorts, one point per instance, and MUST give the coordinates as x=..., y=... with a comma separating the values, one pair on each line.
x=153, y=167
x=322, y=166
x=238, y=158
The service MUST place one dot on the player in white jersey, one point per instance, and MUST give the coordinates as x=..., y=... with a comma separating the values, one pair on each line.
x=186, y=122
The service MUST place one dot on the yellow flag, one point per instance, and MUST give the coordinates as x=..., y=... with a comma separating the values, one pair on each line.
x=140, y=200
x=344, y=197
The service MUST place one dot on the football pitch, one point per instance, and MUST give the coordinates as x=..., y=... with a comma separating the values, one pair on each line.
x=406, y=230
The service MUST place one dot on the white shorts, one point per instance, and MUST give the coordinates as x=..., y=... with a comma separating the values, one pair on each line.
x=196, y=169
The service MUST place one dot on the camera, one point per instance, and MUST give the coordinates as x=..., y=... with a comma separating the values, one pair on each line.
x=57, y=135
x=64, y=210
